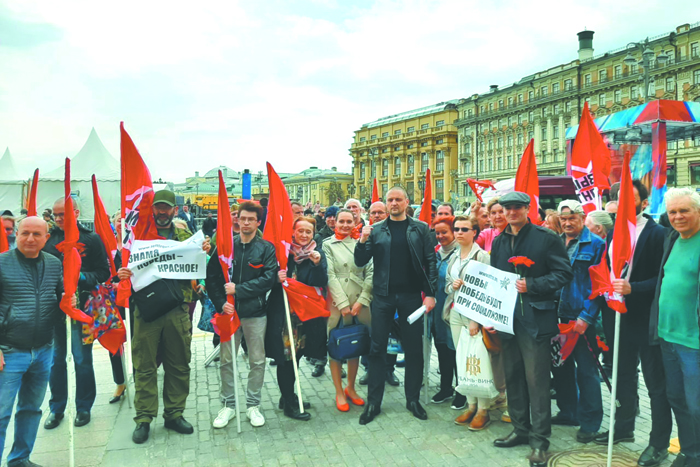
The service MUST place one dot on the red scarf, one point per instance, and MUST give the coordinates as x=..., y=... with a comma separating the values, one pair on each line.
x=354, y=233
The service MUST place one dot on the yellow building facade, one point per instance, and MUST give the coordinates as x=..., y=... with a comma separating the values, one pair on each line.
x=319, y=185
x=398, y=149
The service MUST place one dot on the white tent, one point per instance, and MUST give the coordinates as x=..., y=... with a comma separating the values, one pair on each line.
x=93, y=158
x=11, y=185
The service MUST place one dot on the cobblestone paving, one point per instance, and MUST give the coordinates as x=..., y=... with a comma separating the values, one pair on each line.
x=331, y=438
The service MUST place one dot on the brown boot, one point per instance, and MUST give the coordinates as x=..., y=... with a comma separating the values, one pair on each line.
x=466, y=417
x=479, y=422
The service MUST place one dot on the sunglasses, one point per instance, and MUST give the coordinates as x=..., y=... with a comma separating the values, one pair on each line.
x=462, y=229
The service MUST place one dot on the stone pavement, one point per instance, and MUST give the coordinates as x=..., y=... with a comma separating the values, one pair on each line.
x=330, y=438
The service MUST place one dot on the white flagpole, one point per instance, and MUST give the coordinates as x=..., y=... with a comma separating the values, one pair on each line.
x=70, y=376
x=426, y=357
x=122, y=357
x=293, y=349
x=234, y=352
x=127, y=325
x=613, y=395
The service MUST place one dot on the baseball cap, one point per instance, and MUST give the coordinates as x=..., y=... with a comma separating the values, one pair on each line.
x=572, y=205
x=514, y=198
x=164, y=196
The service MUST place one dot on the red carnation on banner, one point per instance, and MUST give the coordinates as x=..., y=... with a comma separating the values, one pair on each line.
x=590, y=162
x=226, y=325
x=278, y=226
x=4, y=242
x=519, y=263
x=137, y=201
x=305, y=301
x=71, y=255
x=426, y=209
x=526, y=180
x=479, y=186
x=375, y=192
x=31, y=203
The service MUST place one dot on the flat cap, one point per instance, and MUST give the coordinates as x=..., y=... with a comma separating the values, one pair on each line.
x=572, y=205
x=514, y=197
x=164, y=196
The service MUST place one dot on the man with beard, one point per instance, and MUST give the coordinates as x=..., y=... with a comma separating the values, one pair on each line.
x=172, y=333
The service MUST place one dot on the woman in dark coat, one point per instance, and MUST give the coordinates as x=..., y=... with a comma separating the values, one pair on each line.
x=307, y=264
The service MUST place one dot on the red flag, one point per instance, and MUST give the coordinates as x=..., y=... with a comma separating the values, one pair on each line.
x=137, y=200
x=375, y=192
x=103, y=229
x=479, y=186
x=590, y=163
x=71, y=255
x=526, y=180
x=426, y=208
x=4, y=242
x=624, y=235
x=305, y=301
x=278, y=226
x=31, y=204
x=226, y=324
x=659, y=147
x=563, y=343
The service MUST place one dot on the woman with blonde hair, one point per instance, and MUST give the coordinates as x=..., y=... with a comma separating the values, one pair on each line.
x=552, y=222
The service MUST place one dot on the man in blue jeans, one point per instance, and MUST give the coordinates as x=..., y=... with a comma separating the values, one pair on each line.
x=31, y=286
x=576, y=381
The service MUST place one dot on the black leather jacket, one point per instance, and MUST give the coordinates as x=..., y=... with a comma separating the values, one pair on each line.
x=254, y=272
x=29, y=300
x=378, y=246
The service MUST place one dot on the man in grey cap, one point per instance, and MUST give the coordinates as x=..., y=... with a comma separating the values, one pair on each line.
x=526, y=354
x=576, y=381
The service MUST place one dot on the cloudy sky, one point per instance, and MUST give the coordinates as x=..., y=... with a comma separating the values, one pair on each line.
x=200, y=84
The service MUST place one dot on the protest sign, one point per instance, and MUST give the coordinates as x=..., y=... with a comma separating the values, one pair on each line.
x=488, y=296
x=151, y=260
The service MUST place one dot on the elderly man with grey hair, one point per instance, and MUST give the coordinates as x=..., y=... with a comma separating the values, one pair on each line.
x=675, y=318
x=356, y=207
x=599, y=223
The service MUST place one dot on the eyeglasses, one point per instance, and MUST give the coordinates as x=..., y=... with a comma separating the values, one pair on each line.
x=462, y=229
x=247, y=220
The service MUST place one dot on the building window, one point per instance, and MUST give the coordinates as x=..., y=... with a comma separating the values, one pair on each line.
x=363, y=169
x=499, y=163
x=385, y=150
x=410, y=164
x=634, y=68
x=373, y=169
x=439, y=141
x=567, y=106
x=385, y=134
x=670, y=84
x=617, y=96
x=411, y=129
x=481, y=109
x=500, y=104
x=499, y=143
x=425, y=126
x=490, y=145
x=409, y=146
x=440, y=189
x=695, y=50
x=696, y=77
x=423, y=144
x=601, y=100
x=490, y=106
x=481, y=166
x=555, y=88
x=530, y=135
x=555, y=109
x=481, y=146
x=491, y=164
x=602, y=76
x=618, y=71
x=520, y=139
x=510, y=121
x=521, y=118
x=543, y=91
x=439, y=161
x=397, y=166
x=373, y=137
x=555, y=131
x=509, y=161
x=568, y=85
x=530, y=116
x=362, y=138
x=530, y=95
x=397, y=148
x=423, y=162
x=587, y=80
x=385, y=168
x=470, y=112
x=634, y=93
x=670, y=175
x=694, y=174
x=509, y=141
x=520, y=98
x=440, y=123
x=397, y=132
x=468, y=149
x=510, y=102
x=544, y=134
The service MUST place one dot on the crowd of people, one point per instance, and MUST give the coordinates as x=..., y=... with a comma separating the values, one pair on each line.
x=376, y=270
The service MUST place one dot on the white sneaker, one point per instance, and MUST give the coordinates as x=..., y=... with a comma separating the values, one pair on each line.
x=226, y=414
x=255, y=417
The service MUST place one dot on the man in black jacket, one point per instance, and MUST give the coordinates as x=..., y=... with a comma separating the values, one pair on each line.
x=252, y=277
x=638, y=287
x=93, y=270
x=404, y=265
x=188, y=217
x=526, y=354
x=31, y=286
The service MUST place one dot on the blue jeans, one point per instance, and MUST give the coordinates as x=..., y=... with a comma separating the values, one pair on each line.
x=26, y=373
x=85, y=388
x=682, y=366
x=578, y=387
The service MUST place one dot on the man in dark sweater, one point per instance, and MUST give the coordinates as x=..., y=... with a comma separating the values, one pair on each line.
x=404, y=266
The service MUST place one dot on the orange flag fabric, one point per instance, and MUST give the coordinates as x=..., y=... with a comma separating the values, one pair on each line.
x=103, y=229
x=479, y=186
x=31, y=204
x=305, y=301
x=278, y=226
x=426, y=208
x=590, y=163
x=4, y=242
x=375, y=192
x=526, y=180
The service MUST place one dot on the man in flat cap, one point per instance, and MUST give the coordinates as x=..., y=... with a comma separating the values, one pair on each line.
x=526, y=354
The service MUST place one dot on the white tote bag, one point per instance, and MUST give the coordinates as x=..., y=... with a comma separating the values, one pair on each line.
x=474, y=367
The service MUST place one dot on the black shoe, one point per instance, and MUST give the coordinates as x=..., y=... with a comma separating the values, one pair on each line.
x=602, y=438
x=368, y=415
x=585, y=437
x=511, y=441
x=417, y=410
x=307, y=405
x=442, y=396
x=652, y=456
x=82, y=419
x=180, y=425
x=391, y=379
x=679, y=461
x=53, y=420
x=459, y=402
x=318, y=370
x=291, y=410
x=559, y=419
x=140, y=435
x=538, y=458
x=365, y=379
x=23, y=463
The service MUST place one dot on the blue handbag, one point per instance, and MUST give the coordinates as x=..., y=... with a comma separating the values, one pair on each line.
x=346, y=342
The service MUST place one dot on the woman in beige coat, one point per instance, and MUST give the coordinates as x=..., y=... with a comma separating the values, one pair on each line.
x=349, y=295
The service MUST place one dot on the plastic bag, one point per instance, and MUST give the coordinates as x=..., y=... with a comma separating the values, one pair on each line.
x=208, y=312
x=474, y=367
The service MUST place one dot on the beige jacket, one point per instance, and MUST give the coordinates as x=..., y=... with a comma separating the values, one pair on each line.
x=347, y=283
x=476, y=254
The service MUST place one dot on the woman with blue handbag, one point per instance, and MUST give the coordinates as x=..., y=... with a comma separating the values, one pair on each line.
x=349, y=296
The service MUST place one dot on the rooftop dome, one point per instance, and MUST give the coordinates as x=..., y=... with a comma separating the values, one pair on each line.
x=228, y=172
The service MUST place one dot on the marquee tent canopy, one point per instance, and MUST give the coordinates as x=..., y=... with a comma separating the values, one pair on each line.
x=11, y=184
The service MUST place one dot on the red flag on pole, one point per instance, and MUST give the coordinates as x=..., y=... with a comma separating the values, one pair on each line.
x=590, y=163
x=226, y=324
x=103, y=229
x=375, y=192
x=278, y=226
x=479, y=186
x=4, y=242
x=137, y=200
x=526, y=180
x=71, y=255
x=305, y=301
x=31, y=204
x=426, y=208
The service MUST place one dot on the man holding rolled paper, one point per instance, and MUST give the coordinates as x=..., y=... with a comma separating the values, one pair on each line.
x=405, y=266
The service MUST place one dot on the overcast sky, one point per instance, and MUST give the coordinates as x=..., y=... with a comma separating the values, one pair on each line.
x=200, y=84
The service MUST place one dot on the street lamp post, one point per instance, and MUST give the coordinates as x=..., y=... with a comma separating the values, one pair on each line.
x=644, y=62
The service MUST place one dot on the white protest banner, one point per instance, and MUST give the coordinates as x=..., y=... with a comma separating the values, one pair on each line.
x=152, y=260
x=488, y=296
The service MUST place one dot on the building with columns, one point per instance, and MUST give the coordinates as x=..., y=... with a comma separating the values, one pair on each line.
x=327, y=186
x=495, y=127
x=398, y=149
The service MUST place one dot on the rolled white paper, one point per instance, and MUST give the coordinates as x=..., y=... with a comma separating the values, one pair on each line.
x=413, y=317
